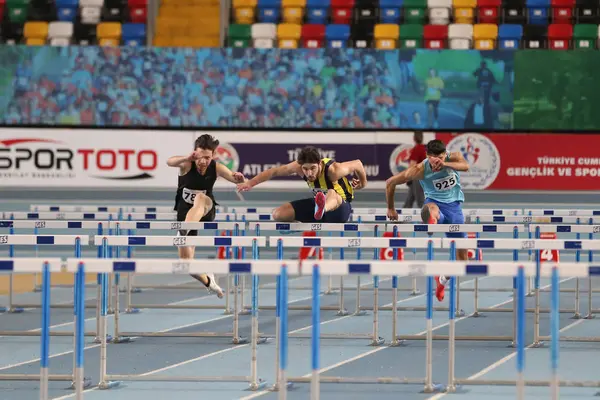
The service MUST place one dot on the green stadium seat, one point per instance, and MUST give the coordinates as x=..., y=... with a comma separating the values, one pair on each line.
x=411, y=36
x=240, y=35
x=585, y=36
x=415, y=11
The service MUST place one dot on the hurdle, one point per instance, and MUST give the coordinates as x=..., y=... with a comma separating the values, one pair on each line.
x=76, y=241
x=47, y=266
x=237, y=228
x=330, y=228
x=179, y=241
x=170, y=266
x=104, y=208
x=376, y=268
x=554, y=271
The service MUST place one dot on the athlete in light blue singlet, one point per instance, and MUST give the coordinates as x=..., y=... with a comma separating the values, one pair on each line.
x=439, y=176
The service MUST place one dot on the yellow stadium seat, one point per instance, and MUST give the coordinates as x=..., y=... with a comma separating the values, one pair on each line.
x=244, y=15
x=162, y=41
x=109, y=42
x=288, y=35
x=244, y=3
x=293, y=15
x=386, y=36
x=464, y=11
x=293, y=3
x=108, y=30
x=484, y=36
x=35, y=42
x=37, y=30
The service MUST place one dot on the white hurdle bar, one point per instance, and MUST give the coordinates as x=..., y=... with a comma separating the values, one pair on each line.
x=177, y=241
x=179, y=266
x=47, y=266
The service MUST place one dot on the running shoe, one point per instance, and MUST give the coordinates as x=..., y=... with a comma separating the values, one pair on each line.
x=319, y=205
x=440, y=289
x=213, y=287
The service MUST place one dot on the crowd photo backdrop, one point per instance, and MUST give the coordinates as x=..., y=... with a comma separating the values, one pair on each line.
x=256, y=88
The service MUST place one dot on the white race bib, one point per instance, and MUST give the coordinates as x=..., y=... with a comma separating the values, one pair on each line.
x=189, y=195
x=445, y=183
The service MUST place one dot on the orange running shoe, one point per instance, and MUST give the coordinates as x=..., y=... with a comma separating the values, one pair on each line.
x=440, y=289
x=319, y=206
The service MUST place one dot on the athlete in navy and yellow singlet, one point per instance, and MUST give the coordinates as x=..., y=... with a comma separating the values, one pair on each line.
x=332, y=190
x=439, y=176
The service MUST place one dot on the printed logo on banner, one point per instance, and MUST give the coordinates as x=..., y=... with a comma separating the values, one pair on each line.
x=227, y=155
x=399, y=158
x=482, y=155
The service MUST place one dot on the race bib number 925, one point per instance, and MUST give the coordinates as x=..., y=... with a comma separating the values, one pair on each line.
x=445, y=183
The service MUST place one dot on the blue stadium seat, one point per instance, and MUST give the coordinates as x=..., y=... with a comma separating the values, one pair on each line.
x=67, y=10
x=269, y=11
x=337, y=35
x=509, y=36
x=317, y=11
x=390, y=11
x=538, y=11
x=133, y=34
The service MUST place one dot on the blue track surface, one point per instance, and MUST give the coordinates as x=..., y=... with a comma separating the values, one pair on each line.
x=339, y=357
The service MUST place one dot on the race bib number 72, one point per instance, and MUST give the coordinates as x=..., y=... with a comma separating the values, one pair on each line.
x=445, y=183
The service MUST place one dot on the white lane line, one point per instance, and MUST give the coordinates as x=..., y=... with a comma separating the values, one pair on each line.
x=378, y=349
x=504, y=360
x=205, y=356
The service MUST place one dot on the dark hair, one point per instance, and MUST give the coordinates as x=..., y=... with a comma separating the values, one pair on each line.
x=309, y=155
x=425, y=214
x=206, y=142
x=435, y=147
x=418, y=137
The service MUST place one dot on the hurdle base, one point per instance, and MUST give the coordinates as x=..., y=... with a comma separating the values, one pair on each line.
x=229, y=311
x=576, y=316
x=253, y=387
x=342, y=313
x=262, y=340
x=133, y=290
x=435, y=388
x=397, y=343
x=108, y=385
x=239, y=340
x=538, y=345
x=462, y=338
x=87, y=382
x=478, y=314
x=121, y=339
x=3, y=310
x=275, y=387
x=590, y=316
x=460, y=313
x=361, y=380
x=359, y=313
x=583, y=339
x=97, y=339
x=415, y=293
x=245, y=312
x=132, y=311
x=377, y=342
x=530, y=383
x=16, y=310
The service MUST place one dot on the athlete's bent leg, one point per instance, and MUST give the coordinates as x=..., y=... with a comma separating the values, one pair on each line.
x=284, y=213
x=326, y=202
x=202, y=206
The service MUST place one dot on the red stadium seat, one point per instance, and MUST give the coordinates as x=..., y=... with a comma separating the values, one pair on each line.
x=435, y=36
x=313, y=36
x=138, y=15
x=341, y=11
x=487, y=11
x=562, y=11
x=560, y=36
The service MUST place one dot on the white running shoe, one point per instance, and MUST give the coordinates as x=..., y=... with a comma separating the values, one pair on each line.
x=213, y=287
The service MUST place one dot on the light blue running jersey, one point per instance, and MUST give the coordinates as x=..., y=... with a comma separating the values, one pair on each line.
x=443, y=186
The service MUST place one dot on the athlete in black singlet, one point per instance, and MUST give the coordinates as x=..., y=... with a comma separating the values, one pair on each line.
x=195, y=200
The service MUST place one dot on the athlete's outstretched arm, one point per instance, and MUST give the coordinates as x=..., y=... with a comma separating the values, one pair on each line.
x=229, y=175
x=457, y=162
x=415, y=172
x=340, y=170
x=282, y=170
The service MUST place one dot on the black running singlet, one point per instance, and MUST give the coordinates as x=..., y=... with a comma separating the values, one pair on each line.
x=193, y=183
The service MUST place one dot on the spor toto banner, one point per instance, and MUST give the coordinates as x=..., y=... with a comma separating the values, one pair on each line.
x=89, y=158
x=528, y=161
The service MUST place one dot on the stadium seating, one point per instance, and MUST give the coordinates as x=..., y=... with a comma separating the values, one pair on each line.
x=432, y=24
x=80, y=22
x=195, y=23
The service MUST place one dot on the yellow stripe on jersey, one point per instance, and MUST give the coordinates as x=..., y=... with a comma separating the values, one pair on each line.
x=342, y=186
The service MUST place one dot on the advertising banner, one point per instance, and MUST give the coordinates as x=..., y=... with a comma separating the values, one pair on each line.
x=90, y=158
x=382, y=154
x=528, y=161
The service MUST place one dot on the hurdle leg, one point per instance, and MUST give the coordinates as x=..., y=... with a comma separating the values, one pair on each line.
x=358, y=312
x=451, y=338
x=577, y=314
x=11, y=308
x=536, y=319
x=128, y=294
x=98, y=308
x=103, y=383
x=342, y=310
x=117, y=338
x=237, y=339
x=476, y=313
x=78, y=297
x=227, y=301
x=429, y=339
x=110, y=309
x=376, y=340
x=395, y=341
x=255, y=382
x=243, y=310
x=590, y=314
x=45, y=334
x=459, y=312
x=514, y=313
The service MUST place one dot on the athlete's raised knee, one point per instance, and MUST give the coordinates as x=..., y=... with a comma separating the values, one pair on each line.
x=284, y=213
